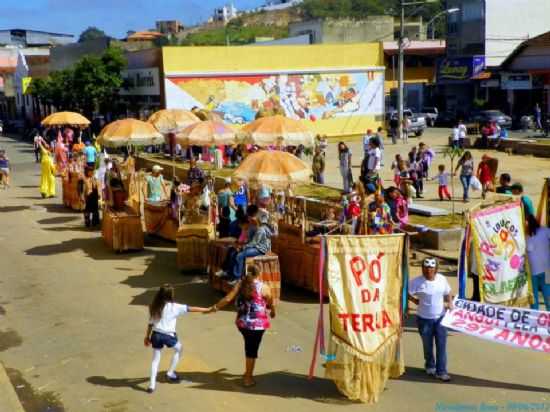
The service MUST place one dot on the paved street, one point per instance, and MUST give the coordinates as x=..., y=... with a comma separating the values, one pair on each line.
x=73, y=315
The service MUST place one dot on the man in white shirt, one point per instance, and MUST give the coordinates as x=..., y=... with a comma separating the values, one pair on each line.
x=432, y=295
x=375, y=157
x=463, y=131
x=366, y=141
x=456, y=136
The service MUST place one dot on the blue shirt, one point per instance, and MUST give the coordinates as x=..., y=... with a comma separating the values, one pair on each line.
x=90, y=153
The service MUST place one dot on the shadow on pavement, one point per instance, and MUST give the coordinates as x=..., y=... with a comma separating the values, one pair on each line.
x=193, y=290
x=56, y=208
x=28, y=187
x=119, y=383
x=279, y=383
x=93, y=247
x=13, y=208
x=58, y=220
x=73, y=229
x=419, y=375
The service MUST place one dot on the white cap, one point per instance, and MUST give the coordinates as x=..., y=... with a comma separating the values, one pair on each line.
x=157, y=168
x=227, y=180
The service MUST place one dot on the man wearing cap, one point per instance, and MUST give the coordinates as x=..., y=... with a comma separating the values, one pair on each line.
x=155, y=185
x=432, y=295
x=91, y=153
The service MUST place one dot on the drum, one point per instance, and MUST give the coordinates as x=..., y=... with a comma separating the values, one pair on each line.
x=192, y=242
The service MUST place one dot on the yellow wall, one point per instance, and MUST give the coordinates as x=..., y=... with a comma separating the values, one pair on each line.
x=204, y=61
x=271, y=58
x=411, y=75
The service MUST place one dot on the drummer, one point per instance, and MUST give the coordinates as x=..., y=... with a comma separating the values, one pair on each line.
x=156, y=189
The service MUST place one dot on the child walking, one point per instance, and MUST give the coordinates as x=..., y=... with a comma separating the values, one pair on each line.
x=443, y=181
x=161, y=331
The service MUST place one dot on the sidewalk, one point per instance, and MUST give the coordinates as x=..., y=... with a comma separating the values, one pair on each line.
x=9, y=402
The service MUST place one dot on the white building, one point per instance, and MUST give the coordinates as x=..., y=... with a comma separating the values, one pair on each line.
x=225, y=13
x=279, y=4
x=494, y=28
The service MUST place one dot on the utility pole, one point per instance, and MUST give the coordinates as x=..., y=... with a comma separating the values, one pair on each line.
x=401, y=69
x=400, y=98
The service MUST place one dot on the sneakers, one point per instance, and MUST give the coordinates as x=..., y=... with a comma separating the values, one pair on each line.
x=173, y=378
x=220, y=273
x=233, y=282
x=443, y=377
x=150, y=390
x=430, y=371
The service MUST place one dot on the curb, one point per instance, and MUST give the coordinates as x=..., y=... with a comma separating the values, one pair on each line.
x=8, y=398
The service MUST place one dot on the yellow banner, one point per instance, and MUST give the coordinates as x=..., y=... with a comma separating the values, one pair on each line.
x=365, y=285
x=25, y=83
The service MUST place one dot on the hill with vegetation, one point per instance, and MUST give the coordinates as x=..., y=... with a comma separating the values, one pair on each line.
x=274, y=24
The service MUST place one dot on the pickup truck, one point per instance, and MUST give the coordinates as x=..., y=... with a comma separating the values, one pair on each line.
x=417, y=121
x=430, y=114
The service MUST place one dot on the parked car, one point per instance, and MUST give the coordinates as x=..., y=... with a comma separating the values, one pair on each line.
x=417, y=121
x=497, y=116
x=446, y=119
x=430, y=113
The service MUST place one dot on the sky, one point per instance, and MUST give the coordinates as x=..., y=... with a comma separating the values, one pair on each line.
x=115, y=17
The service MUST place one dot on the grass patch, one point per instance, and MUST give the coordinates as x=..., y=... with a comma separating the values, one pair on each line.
x=437, y=222
x=318, y=192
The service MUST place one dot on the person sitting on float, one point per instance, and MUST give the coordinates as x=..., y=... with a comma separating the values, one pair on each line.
x=259, y=245
x=379, y=218
x=195, y=173
x=156, y=189
x=398, y=206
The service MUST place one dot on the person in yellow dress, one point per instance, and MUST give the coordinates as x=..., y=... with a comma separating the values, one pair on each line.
x=47, y=178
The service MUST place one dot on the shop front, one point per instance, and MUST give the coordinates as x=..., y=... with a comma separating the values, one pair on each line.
x=459, y=79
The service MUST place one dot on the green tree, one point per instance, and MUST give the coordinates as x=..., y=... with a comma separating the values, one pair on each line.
x=91, y=85
x=97, y=80
x=91, y=33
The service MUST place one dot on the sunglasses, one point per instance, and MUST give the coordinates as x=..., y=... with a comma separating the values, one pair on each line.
x=429, y=263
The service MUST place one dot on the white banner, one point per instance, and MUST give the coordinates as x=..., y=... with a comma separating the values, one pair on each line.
x=501, y=255
x=519, y=327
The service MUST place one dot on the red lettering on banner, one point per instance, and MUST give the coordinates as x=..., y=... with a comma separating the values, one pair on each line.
x=375, y=265
x=543, y=319
x=357, y=265
x=546, y=345
x=503, y=334
x=385, y=319
x=344, y=317
x=355, y=322
x=535, y=342
x=520, y=338
x=489, y=276
x=367, y=296
x=459, y=314
x=366, y=322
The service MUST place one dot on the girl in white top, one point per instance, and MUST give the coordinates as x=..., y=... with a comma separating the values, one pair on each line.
x=161, y=331
x=538, y=252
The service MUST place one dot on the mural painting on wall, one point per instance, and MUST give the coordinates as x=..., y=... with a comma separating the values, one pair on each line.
x=311, y=97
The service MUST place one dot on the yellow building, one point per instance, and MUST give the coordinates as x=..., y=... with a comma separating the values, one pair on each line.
x=420, y=72
x=337, y=89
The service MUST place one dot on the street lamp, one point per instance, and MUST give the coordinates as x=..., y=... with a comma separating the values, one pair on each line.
x=438, y=15
x=404, y=4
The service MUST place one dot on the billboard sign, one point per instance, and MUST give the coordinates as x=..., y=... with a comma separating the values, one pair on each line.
x=459, y=69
